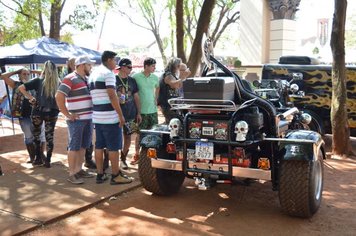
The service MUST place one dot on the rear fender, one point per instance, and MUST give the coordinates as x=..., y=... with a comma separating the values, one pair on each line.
x=297, y=146
x=155, y=137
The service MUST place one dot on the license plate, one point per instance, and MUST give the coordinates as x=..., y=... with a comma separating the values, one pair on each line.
x=204, y=150
x=208, y=131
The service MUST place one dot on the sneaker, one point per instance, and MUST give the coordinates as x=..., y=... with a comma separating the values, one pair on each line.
x=75, y=180
x=120, y=179
x=135, y=159
x=90, y=164
x=100, y=178
x=124, y=165
x=84, y=174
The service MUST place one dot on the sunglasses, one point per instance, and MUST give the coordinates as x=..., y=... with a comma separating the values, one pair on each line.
x=129, y=67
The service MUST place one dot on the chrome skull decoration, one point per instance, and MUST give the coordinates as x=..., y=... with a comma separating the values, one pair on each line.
x=241, y=130
x=174, y=127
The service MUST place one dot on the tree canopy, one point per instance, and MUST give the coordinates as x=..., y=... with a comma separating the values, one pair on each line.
x=28, y=19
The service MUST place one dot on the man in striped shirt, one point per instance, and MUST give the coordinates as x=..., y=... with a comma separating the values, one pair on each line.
x=108, y=118
x=74, y=101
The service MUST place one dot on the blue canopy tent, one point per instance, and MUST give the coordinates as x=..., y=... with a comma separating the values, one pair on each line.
x=38, y=51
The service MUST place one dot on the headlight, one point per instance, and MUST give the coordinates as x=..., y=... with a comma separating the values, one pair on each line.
x=241, y=130
x=306, y=118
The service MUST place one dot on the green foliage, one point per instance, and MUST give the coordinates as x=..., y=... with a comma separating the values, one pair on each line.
x=67, y=37
x=24, y=26
x=237, y=63
x=316, y=50
x=26, y=18
x=82, y=18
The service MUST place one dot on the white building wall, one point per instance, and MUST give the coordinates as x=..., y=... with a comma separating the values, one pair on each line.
x=253, y=37
x=282, y=39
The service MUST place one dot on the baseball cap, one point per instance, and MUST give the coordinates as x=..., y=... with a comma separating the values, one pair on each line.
x=149, y=61
x=83, y=60
x=124, y=62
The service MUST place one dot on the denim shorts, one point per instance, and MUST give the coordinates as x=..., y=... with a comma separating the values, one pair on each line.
x=108, y=136
x=80, y=133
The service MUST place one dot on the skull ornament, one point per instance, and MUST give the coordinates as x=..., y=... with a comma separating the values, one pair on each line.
x=241, y=130
x=174, y=127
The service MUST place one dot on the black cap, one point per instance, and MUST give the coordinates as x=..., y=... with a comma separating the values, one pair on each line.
x=124, y=62
x=149, y=61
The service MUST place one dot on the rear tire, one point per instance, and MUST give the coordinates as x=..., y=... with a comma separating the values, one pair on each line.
x=301, y=186
x=158, y=181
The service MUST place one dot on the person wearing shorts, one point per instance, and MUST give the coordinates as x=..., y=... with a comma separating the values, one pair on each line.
x=148, y=89
x=127, y=92
x=107, y=118
x=74, y=101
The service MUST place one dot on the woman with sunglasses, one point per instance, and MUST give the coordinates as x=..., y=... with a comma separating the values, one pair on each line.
x=21, y=109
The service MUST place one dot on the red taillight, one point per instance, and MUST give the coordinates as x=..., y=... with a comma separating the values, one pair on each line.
x=179, y=155
x=242, y=159
x=171, y=147
x=239, y=152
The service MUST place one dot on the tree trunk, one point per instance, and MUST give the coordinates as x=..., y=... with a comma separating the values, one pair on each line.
x=340, y=129
x=160, y=46
x=55, y=20
x=202, y=27
x=40, y=21
x=180, y=30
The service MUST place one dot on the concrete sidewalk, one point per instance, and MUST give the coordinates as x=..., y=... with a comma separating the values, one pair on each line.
x=32, y=197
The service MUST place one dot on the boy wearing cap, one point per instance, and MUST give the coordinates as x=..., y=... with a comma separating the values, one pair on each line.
x=74, y=101
x=127, y=92
x=148, y=85
x=108, y=118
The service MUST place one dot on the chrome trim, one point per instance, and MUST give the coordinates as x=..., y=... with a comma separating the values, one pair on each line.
x=236, y=171
x=289, y=140
x=288, y=113
x=154, y=131
x=202, y=104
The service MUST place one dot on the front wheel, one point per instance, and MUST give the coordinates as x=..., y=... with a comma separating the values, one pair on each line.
x=158, y=181
x=301, y=186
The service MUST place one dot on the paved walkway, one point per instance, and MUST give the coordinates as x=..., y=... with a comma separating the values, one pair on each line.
x=32, y=197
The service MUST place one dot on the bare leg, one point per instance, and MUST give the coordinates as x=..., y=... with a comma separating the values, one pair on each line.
x=127, y=143
x=114, y=159
x=79, y=160
x=99, y=159
x=72, y=156
x=137, y=144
